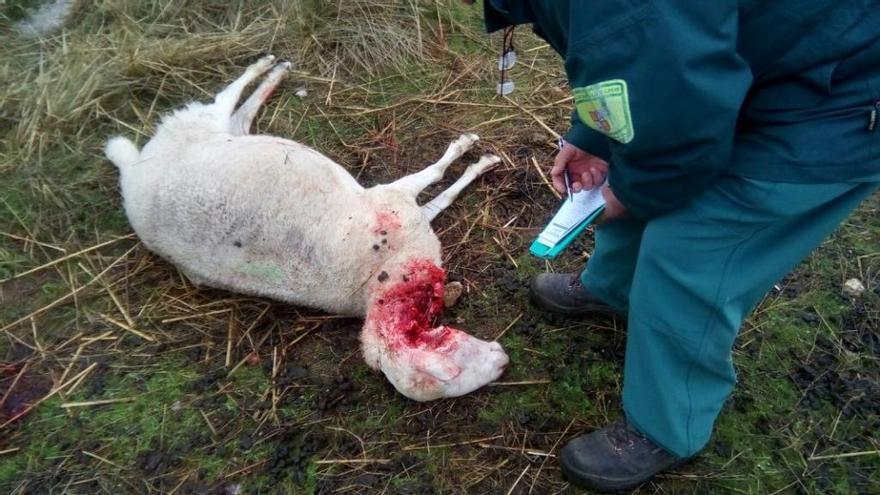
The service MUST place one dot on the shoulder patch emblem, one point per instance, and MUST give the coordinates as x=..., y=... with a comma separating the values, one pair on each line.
x=604, y=107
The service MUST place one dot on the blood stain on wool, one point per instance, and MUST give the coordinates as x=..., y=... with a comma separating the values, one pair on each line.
x=406, y=312
x=386, y=221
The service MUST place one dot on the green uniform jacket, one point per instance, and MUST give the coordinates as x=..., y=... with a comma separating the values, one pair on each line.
x=676, y=93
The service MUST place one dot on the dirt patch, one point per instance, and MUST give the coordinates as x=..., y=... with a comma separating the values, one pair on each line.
x=339, y=391
x=20, y=292
x=847, y=390
x=290, y=460
x=20, y=388
x=831, y=374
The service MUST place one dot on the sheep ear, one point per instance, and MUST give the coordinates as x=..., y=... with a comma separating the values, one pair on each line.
x=439, y=367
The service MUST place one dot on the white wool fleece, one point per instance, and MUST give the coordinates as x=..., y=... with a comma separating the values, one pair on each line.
x=267, y=216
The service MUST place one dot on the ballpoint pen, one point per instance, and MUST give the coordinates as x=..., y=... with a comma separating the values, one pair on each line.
x=565, y=175
x=567, y=179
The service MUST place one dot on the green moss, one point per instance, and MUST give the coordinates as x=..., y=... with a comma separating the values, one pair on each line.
x=119, y=432
x=250, y=378
x=371, y=418
x=298, y=405
x=512, y=404
x=568, y=397
x=522, y=363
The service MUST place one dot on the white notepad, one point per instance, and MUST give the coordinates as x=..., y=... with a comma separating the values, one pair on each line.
x=572, y=213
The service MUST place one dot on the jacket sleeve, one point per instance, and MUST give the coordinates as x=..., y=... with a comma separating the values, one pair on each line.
x=662, y=79
x=587, y=139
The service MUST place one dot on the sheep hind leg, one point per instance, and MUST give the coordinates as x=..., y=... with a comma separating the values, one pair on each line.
x=244, y=116
x=226, y=100
x=445, y=198
x=417, y=182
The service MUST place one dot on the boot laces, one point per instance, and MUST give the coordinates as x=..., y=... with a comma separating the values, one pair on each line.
x=624, y=436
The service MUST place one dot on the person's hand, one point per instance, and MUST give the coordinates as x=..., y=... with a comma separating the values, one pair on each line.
x=614, y=209
x=586, y=171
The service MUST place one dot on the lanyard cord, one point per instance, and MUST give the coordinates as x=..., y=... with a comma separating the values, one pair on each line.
x=506, y=47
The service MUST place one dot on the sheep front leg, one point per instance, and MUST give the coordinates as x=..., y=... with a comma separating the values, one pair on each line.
x=226, y=100
x=244, y=116
x=415, y=183
x=445, y=198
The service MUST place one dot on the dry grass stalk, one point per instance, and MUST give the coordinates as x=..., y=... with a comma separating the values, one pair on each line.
x=91, y=403
x=518, y=478
x=230, y=328
x=545, y=179
x=253, y=324
x=456, y=444
x=127, y=328
x=509, y=325
x=514, y=449
x=552, y=450
x=27, y=240
x=520, y=383
x=352, y=461
x=69, y=295
x=102, y=459
x=245, y=469
x=11, y=387
x=72, y=362
x=79, y=381
x=67, y=257
x=534, y=117
x=842, y=456
x=208, y=422
x=192, y=316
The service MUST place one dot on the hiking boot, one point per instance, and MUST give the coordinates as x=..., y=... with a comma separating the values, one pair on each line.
x=563, y=293
x=617, y=457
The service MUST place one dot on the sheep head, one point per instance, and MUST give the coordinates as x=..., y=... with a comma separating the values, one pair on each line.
x=423, y=359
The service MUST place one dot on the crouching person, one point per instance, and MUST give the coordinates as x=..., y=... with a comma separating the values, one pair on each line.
x=735, y=136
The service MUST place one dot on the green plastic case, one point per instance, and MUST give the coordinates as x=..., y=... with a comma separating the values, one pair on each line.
x=543, y=251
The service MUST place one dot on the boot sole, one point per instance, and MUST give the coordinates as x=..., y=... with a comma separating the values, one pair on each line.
x=611, y=486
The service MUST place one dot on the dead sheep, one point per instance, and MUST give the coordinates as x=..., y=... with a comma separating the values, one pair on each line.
x=268, y=216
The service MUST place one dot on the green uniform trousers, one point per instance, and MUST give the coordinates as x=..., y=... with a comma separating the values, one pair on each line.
x=688, y=279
